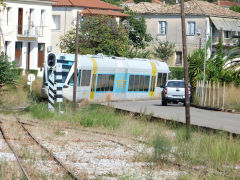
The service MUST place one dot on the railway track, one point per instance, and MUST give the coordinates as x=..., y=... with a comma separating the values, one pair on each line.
x=29, y=171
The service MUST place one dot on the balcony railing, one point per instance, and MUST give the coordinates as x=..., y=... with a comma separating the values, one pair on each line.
x=30, y=31
x=225, y=41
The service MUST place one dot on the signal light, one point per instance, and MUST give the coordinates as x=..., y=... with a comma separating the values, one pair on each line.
x=51, y=60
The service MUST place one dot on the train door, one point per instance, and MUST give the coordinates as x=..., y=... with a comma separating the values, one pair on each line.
x=161, y=81
x=83, y=83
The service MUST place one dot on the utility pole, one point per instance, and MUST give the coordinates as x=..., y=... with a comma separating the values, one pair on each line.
x=75, y=65
x=187, y=101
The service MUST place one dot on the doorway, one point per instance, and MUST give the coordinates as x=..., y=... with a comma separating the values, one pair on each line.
x=18, y=53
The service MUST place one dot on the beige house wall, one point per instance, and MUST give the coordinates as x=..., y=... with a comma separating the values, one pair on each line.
x=68, y=16
x=174, y=32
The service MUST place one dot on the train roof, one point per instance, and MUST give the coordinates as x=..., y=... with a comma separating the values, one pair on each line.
x=113, y=62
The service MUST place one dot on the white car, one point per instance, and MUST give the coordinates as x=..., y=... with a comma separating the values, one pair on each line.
x=174, y=92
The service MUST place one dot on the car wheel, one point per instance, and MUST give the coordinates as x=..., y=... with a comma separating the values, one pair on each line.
x=164, y=103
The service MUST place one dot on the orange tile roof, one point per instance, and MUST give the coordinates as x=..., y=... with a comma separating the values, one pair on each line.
x=227, y=3
x=157, y=2
x=88, y=11
x=87, y=3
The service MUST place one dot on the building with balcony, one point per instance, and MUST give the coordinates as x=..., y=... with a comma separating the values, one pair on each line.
x=26, y=32
x=202, y=17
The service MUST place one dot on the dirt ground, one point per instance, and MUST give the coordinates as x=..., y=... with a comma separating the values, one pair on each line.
x=85, y=152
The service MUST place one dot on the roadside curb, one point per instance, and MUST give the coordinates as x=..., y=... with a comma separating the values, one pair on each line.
x=216, y=109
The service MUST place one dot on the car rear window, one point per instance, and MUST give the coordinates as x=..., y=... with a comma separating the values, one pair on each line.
x=179, y=84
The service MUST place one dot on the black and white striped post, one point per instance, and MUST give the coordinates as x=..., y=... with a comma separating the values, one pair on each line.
x=51, y=92
x=59, y=85
x=51, y=62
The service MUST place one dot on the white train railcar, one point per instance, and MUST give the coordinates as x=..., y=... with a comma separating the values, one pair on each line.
x=113, y=78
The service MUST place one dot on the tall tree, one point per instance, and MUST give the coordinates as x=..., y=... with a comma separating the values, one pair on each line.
x=98, y=34
x=137, y=30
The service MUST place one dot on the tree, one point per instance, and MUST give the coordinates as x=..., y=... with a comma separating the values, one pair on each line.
x=235, y=8
x=8, y=72
x=164, y=50
x=195, y=66
x=98, y=34
x=137, y=30
x=138, y=1
x=114, y=2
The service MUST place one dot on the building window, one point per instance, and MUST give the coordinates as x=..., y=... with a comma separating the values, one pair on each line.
x=138, y=83
x=162, y=27
x=56, y=22
x=179, y=58
x=9, y=16
x=105, y=82
x=191, y=28
x=43, y=17
x=227, y=34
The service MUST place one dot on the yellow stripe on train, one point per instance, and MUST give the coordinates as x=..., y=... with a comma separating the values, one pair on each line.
x=153, y=78
x=94, y=76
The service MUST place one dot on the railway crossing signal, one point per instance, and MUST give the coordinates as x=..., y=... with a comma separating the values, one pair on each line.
x=51, y=60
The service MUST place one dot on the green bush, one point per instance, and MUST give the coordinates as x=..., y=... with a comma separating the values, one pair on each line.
x=176, y=73
x=32, y=71
x=8, y=73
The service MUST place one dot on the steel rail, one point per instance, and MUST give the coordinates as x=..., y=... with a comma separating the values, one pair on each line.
x=49, y=152
x=15, y=154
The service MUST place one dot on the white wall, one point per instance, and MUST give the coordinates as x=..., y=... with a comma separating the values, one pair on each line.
x=10, y=30
x=68, y=16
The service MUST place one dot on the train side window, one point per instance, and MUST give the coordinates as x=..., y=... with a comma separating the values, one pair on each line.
x=86, y=75
x=71, y=80
x=111, y=82
x=159, y=80
x=79, y=78
x=131, y=81
x=105, y=82
x=141, y=83
x=99, y=83
x=164, y=79
x=136, y=83
x=146, y=83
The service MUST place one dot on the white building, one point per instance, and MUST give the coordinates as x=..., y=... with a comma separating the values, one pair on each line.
x=26, y=32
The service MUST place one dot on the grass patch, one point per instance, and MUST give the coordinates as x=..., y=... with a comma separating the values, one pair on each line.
x=207, y=149
x=162, y=148
x=90, y=116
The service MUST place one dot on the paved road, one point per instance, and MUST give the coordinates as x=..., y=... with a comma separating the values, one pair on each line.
x=213, y=119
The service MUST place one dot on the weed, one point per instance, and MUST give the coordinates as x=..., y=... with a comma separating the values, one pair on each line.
x=40, y=111
x=26, y=154
x=162, y=148
x=59, y=132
